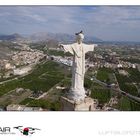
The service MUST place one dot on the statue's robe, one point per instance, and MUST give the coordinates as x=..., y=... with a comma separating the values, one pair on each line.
x=78, y=68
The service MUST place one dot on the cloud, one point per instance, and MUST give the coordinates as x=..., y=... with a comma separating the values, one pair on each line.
x=106, y=22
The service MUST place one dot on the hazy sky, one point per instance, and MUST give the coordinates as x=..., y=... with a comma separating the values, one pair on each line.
x=120, y=23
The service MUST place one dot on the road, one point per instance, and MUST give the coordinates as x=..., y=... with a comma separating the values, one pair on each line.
x=123, y=93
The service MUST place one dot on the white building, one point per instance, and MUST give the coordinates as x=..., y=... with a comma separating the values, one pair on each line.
x=22, y=71
x=133, y=66
x=8, y=66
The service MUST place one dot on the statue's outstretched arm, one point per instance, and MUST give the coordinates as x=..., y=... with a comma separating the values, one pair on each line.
x=67, y=48
x=89, y=47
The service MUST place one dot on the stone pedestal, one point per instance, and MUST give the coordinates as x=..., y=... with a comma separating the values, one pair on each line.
x=69, y=105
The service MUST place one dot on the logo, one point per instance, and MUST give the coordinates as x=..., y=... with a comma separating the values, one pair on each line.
x=26, y=130
x=6, y=130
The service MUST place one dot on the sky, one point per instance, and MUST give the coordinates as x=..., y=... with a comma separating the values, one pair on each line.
x=109, y=23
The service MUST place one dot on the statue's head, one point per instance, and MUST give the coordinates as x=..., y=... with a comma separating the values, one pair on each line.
x=79, y=37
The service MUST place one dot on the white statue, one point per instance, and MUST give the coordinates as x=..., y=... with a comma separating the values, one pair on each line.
x=78, y=50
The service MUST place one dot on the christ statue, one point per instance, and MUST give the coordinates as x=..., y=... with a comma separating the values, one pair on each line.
x=78, y=50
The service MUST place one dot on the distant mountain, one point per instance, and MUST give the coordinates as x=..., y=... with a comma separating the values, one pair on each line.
x=12, y=37
x=60, y=37
x=45, y=36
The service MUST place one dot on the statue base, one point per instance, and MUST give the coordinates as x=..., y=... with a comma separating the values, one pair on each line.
x=88, y=104
x=76, y=95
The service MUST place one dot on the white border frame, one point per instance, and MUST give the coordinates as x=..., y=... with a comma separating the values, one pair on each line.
x=70, y=2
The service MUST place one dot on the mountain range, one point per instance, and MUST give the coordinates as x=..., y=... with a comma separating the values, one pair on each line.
x=45, y=36
x=12, y=37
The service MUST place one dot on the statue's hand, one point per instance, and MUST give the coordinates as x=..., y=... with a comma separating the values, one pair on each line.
x=95, y=45
x=60, y=46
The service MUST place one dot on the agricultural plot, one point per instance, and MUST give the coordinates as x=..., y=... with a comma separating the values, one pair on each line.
x=126, y=84
x=53, y=74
